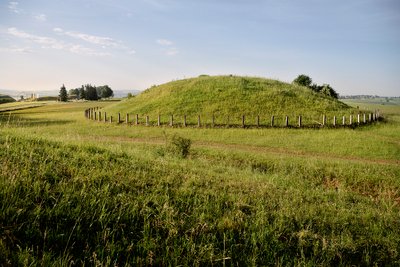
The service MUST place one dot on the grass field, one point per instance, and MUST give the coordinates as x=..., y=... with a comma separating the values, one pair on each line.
x=74, y=191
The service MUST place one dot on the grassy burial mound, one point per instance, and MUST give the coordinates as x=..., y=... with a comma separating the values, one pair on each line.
x=229, y=96
x=6, y=99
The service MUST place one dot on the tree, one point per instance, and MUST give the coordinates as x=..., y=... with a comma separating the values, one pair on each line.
x=316, y=88
x=82, y=94
x=72, y=92
x=324, y=89
x=105, y=91
x=329, y=91
x=91, y=92
x=303, y=80
x=63, y=94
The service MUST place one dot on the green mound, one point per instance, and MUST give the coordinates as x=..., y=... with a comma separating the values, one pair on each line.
x=229, y=96
x=6, y=99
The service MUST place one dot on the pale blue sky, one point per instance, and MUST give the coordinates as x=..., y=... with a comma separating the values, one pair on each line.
x=354, y=45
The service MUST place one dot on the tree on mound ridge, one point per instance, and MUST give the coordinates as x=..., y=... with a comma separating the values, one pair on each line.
x=325, y=89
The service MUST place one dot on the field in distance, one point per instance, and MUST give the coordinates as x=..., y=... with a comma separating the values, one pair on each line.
x=83, y=192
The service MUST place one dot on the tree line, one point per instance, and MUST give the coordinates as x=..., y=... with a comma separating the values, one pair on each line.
x=87, y=92
x=324, y=89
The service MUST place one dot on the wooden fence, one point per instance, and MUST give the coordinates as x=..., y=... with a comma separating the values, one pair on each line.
x=352, y=120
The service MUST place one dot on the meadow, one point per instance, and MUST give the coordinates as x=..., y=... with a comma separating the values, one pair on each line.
x=79, y=192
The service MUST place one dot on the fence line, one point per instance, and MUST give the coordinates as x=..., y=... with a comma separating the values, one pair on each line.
x=298, y=122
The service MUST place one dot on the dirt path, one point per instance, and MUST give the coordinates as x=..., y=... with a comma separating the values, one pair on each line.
x=252, y=149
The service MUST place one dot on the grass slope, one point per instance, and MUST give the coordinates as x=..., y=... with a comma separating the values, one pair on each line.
x=228, y=95
x=6, y=99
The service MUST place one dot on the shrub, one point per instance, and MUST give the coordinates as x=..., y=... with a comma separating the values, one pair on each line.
x=179, y=146
x=303, y=80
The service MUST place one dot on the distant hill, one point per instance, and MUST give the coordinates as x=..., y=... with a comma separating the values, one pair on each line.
x=229, y=96
x=6, y=99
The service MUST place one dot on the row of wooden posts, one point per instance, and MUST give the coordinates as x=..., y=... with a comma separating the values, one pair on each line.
x=96, y=115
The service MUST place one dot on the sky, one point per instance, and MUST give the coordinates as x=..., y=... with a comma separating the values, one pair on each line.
x=353, y=45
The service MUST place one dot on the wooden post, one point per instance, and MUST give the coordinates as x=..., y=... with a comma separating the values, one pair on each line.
x=119, y=118
x=373, y=116
x=286, y=121
x=243, y=121
x=99, y=116
x=334, y=121
x=370, y=117
x=351, y=120
x=127, y=118
x=95, y=115
x=184, y=120
x=158, y=120
x=364, y=118
x=344, y=120
x=172, y=121
x=323, y=120
x=147, y=120
x=258, y=121
x=198, y=121
x=137, y=119
x=358, y=118
x=105, y=116
x=272, y=120
x=110, y=119
x=299, y=121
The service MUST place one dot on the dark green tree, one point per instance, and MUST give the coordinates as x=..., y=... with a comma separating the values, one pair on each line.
x=91, y=92
x=324, y=89
x=315, y=87
x=303, y=80
x=63, y=94
x=82, y=94
x=329, y=91
x=73, y=91
x=104, y=91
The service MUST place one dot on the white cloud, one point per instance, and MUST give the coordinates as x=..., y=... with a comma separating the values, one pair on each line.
x=58, y=30
x=81, y=50
x=93, y=39
x=22, y=50
x=172, y=51
x=41, y=17
x=169, y=49
x=13, y=7
x=104, y=42
x=48, y=42
x=164, y=42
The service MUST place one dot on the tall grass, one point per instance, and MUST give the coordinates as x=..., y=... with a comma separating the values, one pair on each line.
x=77, y=192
